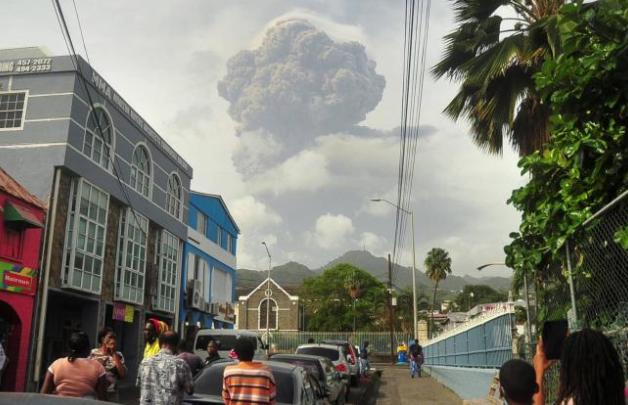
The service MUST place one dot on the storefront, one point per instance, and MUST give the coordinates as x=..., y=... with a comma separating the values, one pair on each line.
x=21, y=228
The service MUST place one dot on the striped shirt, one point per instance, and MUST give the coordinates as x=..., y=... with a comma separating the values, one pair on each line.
x=248, y=382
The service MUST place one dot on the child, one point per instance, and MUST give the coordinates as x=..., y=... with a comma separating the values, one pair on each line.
x=517, y=382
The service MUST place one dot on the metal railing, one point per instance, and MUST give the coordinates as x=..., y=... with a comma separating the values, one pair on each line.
x=379, y=342
x=483, y=342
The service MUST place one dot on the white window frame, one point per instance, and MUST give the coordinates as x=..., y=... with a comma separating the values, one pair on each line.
x=229, y=242
x=174, y=203
x=141, y=180
x=26, y=93
x=218, y=235
x=111, y=146
x=259, y=314
x=74, y=247
x=201, y=216
x=169, y=250
x=133, y=234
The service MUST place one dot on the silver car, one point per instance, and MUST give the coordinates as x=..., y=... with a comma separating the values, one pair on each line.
x=323, y=370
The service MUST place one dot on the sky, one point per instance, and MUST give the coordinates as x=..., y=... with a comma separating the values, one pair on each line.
x=290, y=110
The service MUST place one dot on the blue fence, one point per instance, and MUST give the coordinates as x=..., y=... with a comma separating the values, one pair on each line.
x=485, y=342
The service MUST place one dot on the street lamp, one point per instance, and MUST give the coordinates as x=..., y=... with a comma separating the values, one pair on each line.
x=414, y=311
x=525, y=291
x=268, y=294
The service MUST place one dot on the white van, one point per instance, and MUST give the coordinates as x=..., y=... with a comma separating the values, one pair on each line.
x=226, y=339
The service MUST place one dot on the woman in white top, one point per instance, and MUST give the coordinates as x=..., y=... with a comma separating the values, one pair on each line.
x=590, y=371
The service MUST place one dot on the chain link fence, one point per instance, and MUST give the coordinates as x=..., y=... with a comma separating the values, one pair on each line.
x=591, y=288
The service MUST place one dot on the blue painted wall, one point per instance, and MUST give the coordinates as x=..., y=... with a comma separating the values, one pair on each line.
x=217, y=216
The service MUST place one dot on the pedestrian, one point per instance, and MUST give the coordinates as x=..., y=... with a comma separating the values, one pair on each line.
x=364, y=358
x=212, y=353
x=416, y=358
x=4, y=361
x=164, y=378
x=590, y=371
x=517, y=383
x=111, y=359
x=152, y=330
x=76, y=375
x=248, y=381
x=194, y=362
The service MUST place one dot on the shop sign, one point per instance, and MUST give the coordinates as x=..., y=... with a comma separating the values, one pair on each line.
x=123, y=312
x=17, y=278
x=29, y=65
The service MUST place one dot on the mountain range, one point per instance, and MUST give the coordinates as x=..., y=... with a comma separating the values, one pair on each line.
x=291, y=275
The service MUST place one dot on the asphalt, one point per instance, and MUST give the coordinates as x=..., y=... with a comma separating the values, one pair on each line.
x=397, y=388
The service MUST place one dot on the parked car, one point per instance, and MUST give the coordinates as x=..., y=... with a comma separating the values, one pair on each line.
x=294, y=385
x=352, y=356
x=334, y=353
x=323, y=370
x=29, y=398
x=226, y=339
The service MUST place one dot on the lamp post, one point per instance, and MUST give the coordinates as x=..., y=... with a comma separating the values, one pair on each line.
x=268, y=294
x=414, y=311
x=525, y=291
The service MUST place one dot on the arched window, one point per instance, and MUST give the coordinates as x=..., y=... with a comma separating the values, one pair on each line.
x=141, y=171
x=98, y=141
x=274, y=314
x=175, y=194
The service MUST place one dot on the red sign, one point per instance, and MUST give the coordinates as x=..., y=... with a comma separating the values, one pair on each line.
x=12, y=279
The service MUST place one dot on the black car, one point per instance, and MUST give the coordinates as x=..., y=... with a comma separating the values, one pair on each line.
x=29, y=398
x=294, y=385
x=323, y=370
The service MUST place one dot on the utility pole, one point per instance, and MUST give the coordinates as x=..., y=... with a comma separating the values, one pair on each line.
x=269, y=293
x=391, y=312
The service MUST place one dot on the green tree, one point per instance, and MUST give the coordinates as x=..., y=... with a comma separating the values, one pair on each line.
x=437, y=267
x=584, y=166
x=482, y=294
x=495, y=56
x=329, y=304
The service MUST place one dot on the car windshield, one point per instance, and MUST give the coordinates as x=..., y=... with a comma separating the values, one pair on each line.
x=209, y=382
x=331, y=354
x=225, y=342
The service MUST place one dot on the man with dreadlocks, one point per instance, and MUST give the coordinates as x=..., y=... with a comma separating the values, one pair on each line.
x=153, y=329
x=590, y=371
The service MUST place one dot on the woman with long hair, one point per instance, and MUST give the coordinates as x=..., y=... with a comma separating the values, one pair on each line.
x=590, y=371
x=76, y=375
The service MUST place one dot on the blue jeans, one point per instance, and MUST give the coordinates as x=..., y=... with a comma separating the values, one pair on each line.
x=415, y=368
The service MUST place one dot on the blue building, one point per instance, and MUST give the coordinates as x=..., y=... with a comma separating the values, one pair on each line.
x=208, y=286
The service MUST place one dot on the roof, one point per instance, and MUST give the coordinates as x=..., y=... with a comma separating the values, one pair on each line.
x=263, y=283
x=10, y=186
x=224, y=205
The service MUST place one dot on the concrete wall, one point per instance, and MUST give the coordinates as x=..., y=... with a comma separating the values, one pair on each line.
x=468, y=383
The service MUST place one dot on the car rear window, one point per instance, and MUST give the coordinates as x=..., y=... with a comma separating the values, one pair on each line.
x=225, y=342
x=331, y=354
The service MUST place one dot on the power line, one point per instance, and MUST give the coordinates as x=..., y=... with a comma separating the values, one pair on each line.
x=76, y=63
x=81, y=31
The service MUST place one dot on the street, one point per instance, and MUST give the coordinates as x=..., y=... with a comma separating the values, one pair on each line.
x=396, y=387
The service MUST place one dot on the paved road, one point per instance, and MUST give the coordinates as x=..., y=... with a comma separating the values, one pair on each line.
x=397, y=388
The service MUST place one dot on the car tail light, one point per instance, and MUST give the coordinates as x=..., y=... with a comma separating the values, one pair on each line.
x=342, y=368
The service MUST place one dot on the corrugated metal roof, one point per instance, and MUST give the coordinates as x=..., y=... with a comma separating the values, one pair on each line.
x=10, y=186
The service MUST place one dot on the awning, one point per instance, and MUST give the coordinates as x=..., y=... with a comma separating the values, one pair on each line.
x=17, y=214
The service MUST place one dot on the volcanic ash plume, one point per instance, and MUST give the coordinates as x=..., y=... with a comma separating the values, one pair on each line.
x=300, y=84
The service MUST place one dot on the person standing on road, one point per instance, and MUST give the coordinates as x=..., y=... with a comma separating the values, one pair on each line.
x=212, y=353
x=75, y=375
x=194, y=362
x=111, y=359
x=163, y=378
x=152, y=330
x=248, y=382
x=364, y=358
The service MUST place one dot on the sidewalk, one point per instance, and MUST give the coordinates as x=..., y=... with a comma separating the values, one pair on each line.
x=397, y=388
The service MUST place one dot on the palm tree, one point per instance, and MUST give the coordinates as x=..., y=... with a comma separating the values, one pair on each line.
x=437, y=267
x=496, y=49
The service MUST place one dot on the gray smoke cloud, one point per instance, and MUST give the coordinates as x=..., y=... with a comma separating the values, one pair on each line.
x=300, y=84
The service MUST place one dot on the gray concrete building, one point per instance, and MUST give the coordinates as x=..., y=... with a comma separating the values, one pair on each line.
x=117, y=195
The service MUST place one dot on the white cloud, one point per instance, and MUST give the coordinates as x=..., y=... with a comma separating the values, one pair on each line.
x=373, y=243
x=333, y=231
x=306, y=171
